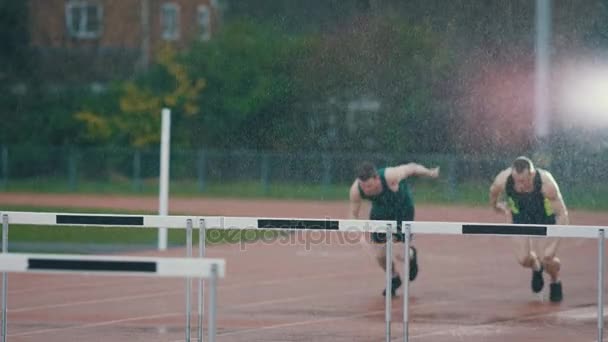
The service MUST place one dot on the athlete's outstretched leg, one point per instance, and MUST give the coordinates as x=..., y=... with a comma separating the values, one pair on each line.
x=552, y=266
x=527, y=257
x=379, y=246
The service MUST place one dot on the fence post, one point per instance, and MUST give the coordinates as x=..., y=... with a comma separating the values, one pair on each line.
x=265, y=173
x=4, y=162
x=327, y=166
x=452, y=177
x=137, y=171
x=72, y=169
x=200, y=169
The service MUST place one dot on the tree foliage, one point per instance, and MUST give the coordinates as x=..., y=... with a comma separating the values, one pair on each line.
x=13, y=38
x=249, y=72
x=399, y=66
x=137, y=117
x=290, y=75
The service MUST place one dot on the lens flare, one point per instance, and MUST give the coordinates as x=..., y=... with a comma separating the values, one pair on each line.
x=583, y=100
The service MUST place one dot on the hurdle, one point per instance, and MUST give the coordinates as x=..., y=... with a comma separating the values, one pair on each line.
x=523, y=230
x=295, y=224
x=106, y=220
x=339, y=225
x=204, y=222
x=118, y=266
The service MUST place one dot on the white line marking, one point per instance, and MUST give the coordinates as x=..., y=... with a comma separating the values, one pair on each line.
x=92, y=325
x=63, y=287
x=176, y=292
x=97, y=301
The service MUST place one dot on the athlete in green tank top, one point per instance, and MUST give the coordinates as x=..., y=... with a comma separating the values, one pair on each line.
x=391, y=199
x=533, y=197
x=388, y=204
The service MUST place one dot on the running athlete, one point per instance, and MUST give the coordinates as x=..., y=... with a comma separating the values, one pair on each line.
x=391, y=199
x=533, y=197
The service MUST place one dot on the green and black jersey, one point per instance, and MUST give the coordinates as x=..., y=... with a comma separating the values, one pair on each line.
x=390, y=205
x=529, y=207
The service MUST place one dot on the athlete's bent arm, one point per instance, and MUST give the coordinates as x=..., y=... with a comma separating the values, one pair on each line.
x=496, y=189
x=552, y=193
x=355, y=202
x=401, y=172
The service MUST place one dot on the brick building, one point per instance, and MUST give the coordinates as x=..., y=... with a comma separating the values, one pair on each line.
x=101, y=39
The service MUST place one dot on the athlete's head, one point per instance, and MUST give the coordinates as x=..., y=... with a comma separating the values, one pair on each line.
x=523, y=172
x=368, y=179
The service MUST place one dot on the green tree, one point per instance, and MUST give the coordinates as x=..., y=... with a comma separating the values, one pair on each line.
x=13, y=37
x=403, y=67
x=136, y=116
x=299, y=16
x=249, y=69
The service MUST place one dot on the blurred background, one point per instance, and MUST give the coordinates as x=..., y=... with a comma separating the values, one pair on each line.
x=283, y=98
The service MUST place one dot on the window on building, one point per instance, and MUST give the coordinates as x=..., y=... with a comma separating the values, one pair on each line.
x=169, y=21
x=362, y=114
x=83, y=19
x=203, y=20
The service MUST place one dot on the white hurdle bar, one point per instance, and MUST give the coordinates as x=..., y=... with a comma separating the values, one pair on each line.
x=524, y=230
x=118, y=266
x=98, y=220
x=286, y=224
x=187, y=222
x=180, y=222
x=112, y=265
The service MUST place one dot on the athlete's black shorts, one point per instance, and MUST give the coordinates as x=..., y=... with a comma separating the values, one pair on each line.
x=381, y=237
x=397, y=237
x=407, y=215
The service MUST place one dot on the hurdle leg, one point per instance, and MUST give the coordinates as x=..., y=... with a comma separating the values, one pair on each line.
x=188, y=279
x=406, y=286
x=4, y=275
x=212, y=305
x=201, y=253
x=389, y=268
x=600, y=286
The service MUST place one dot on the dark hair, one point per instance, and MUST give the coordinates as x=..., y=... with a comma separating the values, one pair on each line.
x=366, y=170
x=522, y=163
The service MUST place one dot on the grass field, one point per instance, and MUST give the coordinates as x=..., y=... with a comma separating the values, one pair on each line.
x=582, y=196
